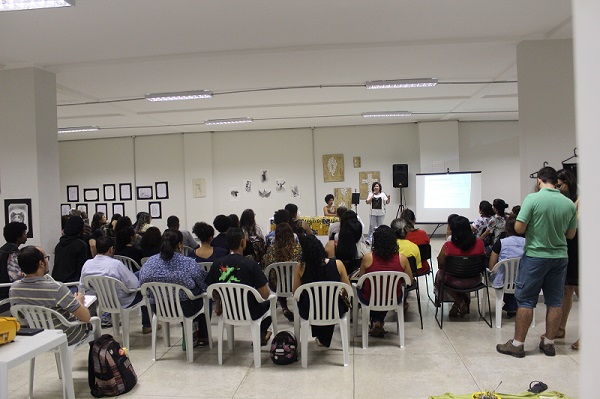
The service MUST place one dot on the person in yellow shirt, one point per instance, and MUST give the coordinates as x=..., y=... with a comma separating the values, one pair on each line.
x=406, y=247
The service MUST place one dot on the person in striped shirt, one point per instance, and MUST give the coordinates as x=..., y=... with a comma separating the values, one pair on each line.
x=38, y=288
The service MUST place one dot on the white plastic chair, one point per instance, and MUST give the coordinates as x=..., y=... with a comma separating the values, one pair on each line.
x=285, y=277
x=236, y=312
x=384, y=297
x=168, y=310
x=205, y=266
x=323, y=310
x=107, y=291
x=130, y=263
x=511, y=268
x=186, y=250
x=42, y=317
x=144, y=260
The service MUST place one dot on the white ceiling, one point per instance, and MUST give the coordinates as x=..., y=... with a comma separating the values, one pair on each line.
x=108, y=53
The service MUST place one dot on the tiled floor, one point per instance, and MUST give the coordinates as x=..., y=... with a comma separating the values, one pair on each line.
x=461, y=358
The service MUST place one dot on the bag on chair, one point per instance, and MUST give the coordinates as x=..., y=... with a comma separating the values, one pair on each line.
x=110, y=372
x=284, y=348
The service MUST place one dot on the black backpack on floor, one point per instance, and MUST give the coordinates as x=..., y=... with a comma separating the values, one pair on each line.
x=284, y=348
x=110, y=372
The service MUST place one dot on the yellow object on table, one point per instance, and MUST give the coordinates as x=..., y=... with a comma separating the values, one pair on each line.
x=318, y=224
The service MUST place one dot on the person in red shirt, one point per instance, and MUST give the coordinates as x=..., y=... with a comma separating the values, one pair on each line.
x=417, y=237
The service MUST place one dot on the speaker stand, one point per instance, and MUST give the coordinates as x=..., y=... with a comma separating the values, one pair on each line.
x=401, y=205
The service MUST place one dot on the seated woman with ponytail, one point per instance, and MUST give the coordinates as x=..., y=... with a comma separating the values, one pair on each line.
x=171, y=266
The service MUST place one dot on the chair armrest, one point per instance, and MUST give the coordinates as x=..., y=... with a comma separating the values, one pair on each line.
x=194, y=297
x=495, y=268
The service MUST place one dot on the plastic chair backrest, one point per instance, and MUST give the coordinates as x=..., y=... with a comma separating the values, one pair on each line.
x=130, y=263
x=205, y=265
x=145, y=259
x=234, y=301
x=511, y=268
x=186, y=250
x=425, y=250
x=323, y=299
x=465, y=266
x=40, y=317
x=285, y=277
x=385, y=287
x=107, y=291
x=166, y=298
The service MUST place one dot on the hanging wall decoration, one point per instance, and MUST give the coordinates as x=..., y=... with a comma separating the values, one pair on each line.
x=280, y=184
x=234, y=194
x=333, y=167
x=19, y=210
x=162, y=189
x=343, y=197
x=365, y=180
x=199, y=188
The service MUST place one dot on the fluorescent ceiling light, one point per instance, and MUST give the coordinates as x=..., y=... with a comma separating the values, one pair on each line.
x=227, y=121
x=182, y=95
x=14, y=5
x=401, y=83
x=386, y=114
x=78, y=129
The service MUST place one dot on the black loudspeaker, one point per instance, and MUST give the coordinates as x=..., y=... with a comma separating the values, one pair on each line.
x=400, y=174
x=355, y=198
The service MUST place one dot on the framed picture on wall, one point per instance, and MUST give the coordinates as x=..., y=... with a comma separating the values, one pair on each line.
x=91, y=194
x=65, y=209
x=109, y=192
x=118, y=208
x=144, y=193
x=162, y=190
x=72, y=193
x=102, y=208
x=125, y=192
x=82, y=208
x=154, y=209
x=19, y=210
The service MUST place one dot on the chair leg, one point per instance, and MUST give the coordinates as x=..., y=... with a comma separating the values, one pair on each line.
x=154, y=326
x=366, y=318
x=273, y=309
x=419, y=302
x=345, y=339
x=220, y=331
x=304, y=333
x=256, y=338
x=499, y=296
x=440, y=321
x=31, y=371
x=230, y=337
x=208, y=326
x=125, y=321
x=296, y=320
x=58, y=368
x=188, y=332
x=166, y=333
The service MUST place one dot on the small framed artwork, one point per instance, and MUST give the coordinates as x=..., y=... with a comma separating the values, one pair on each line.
x=144, y=193
x=125, y=192
x=91, y=194
x=19, y=210
x=154, y=209
x=109, y=192
x=65, y=209
x=118, y=208
x=162, y=189
x=82, y=208
x=102, y=208
x=72, y=193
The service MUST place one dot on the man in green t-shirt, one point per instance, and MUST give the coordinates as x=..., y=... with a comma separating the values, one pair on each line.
x=547, y=218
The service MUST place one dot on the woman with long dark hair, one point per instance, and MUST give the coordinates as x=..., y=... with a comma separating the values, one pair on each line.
x=316, y=266
x=462, y=243
x=151, y=241
x=171, y=266
x=495, y=227
x=125, y=244
x=416, y=236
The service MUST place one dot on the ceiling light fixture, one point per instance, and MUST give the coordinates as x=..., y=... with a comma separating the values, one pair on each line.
x=181, y=95
x=401, y=83
x=78, y=129
x=386, y=114
x=15, y=5
x=227, y=121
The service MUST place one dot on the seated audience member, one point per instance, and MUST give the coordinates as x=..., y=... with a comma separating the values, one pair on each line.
x=121, y=223
x=334, y=227
x=329, y=209
x=451, y=217
x=416, y=236
x=37, y=288
x=495, y=227
x=285, y=248
x=299, y=226
x=15, y=234
x=513, y=246
x=384, y=258
x=462, y=243
x=125, y=245
x=109, y=228
x=103, y=264
x=142, y=223
x=235, y=220
x=514, y=212
x=150, y=242
x=206, y=252
x=86, y=235
x=236, y=268
x=71, y=252
x=222, y=223
x=256, y=247
x=406, y=247
x=280, y=216
x=98, y=224
x=485, y=214
x=348, y=247
x=170, y=266
x=188, y=239
x=314, y=267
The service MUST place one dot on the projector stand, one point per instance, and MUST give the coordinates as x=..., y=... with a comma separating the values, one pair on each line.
x=401, y=205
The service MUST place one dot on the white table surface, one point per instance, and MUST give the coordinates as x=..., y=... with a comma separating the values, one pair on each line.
x=25, y=348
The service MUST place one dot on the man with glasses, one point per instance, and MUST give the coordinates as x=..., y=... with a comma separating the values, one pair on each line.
x=38, y=288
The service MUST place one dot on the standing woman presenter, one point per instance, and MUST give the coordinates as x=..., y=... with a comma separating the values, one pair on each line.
x=378, y=200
